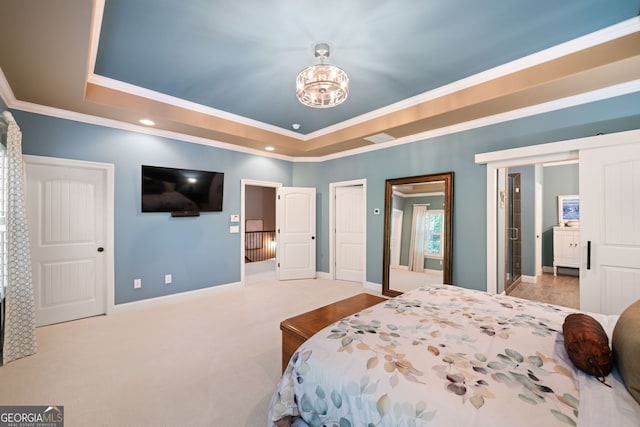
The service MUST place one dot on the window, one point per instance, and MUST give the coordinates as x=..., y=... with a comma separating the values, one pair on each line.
x=434, y=234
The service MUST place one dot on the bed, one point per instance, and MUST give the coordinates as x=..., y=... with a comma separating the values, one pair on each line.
x=447, y=356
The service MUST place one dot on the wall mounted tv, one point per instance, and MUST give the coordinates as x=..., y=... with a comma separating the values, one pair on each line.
x=181, y=190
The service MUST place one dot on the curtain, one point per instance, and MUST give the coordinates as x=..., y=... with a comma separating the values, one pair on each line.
x=20, y=316
x=418, y=232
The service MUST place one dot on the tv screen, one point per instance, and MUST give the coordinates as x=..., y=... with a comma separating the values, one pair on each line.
x=181, y=190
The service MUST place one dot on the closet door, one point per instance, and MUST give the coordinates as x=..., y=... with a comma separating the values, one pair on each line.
x=610, y=228
x=296, y=254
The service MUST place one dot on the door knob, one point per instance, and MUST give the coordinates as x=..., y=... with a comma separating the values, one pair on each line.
x=100, y=249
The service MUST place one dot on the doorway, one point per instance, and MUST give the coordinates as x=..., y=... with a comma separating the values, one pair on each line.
x=73, y=250
x=348, y=222
x=513, y=270
x=530, y=215
x=258, y=240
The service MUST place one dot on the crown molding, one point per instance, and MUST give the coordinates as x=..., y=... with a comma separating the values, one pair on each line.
x=624, y=28
x=6, y=93
x=604, y=35
x=572, y=101
x=618, y=90
x=188, y=105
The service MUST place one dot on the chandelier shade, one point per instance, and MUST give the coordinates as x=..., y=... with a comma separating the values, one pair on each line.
x=322, y=85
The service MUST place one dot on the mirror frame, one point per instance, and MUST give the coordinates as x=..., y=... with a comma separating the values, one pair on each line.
x=447, y=263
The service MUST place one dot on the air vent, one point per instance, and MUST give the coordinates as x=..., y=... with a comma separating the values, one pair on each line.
x=380, y=138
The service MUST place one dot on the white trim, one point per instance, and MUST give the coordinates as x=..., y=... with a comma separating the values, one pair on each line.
x=604, y=35
x=567, y=149
x=415, y=195
x=542, y=153
x=115, y=124
x=585, y=98
x=243, y=185
x=96, y=26
x=332, y=223
x=537, y=216
x=529, y=279
x=323, y=275
x=188, y=105
x=559, y=104
x=377, y=287
x=94, y=37
x=618, y=30
x=6, y=93
x=109, y=243
x=174, y=298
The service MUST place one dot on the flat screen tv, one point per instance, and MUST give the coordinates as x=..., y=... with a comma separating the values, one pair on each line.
x=181, y=190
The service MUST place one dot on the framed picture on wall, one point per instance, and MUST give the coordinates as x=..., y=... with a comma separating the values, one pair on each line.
x=568, y=208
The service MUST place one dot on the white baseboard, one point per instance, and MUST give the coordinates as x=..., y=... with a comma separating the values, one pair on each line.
x=529, y=279
x=373, y=286
x=198, y=293
x=566, y=271
x=169, y=299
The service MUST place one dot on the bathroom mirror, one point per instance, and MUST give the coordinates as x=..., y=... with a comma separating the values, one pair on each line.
x=418, y=226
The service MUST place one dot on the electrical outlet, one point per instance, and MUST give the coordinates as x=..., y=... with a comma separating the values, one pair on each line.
x=167, y=279
x=137, y=283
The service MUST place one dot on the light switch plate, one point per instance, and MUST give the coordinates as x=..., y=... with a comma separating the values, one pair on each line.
x=235, y=218
x=234, y=229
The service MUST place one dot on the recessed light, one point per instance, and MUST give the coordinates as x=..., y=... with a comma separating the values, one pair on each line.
x=295, y=126
x=147, y=122
x=269, y=148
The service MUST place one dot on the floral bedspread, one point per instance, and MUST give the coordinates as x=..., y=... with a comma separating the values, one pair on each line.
x=436, y=356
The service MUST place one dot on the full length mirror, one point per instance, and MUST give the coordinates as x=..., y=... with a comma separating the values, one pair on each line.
x=418, y=226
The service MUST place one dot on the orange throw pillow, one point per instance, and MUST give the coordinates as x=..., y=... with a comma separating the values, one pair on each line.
x=587, y=345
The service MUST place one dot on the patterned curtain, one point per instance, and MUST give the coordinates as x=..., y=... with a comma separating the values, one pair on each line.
x=20, y=316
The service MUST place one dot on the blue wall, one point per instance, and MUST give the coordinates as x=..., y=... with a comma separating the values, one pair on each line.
x=558, y=180
x=455, y=153
x=199, y=252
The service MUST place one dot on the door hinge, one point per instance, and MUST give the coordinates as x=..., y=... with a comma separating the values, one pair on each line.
x=278, y=265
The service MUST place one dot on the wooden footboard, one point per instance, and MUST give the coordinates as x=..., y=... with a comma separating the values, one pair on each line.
x=296, y=330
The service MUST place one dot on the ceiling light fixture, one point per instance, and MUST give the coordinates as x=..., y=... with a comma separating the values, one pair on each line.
x=147, y=122
x=322, y=85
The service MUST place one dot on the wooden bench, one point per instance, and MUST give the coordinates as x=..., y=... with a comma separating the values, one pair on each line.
x=298, y=329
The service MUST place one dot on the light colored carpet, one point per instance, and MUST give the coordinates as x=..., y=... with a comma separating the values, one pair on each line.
x=405, y=280
x=210, y=361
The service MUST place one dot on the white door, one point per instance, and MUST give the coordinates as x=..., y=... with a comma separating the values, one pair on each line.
x=350, y=233
x=296, y=254
x=610, y=224
x=396, y=236
x=66, y=209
